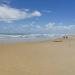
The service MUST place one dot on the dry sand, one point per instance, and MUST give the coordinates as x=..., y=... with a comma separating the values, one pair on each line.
x=41, y=58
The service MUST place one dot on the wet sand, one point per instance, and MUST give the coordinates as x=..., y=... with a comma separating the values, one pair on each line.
x=38, y=58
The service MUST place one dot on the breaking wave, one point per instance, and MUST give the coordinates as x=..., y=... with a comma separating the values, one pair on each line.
x=28, y=37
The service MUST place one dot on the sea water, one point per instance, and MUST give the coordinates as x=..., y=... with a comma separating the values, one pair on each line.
x=13, y=38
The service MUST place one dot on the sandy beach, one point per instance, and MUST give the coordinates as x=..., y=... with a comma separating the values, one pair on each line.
x=38, y=58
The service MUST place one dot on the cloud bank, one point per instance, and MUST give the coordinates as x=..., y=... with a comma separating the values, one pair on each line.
x=33, y=28
x=9, y=14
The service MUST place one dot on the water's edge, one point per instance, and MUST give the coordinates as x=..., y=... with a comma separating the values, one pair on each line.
x=6, y=38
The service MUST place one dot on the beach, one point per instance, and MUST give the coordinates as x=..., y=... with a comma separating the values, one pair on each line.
x=38, y=58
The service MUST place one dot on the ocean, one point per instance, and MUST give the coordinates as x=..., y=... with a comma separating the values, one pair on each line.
x=13, y=38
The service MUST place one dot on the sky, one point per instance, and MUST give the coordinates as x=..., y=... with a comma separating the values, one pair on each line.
x=37, y=16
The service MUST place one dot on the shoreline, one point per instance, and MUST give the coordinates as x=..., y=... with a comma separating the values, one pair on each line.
x=28, y=38
x=38, y=58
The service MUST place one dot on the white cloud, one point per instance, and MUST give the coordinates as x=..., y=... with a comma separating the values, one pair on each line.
x=51, y=28
x=59, y=29
x=34, y=27
x=58, y=26
x=36, y=13
x=9, y=14
x=50, y=25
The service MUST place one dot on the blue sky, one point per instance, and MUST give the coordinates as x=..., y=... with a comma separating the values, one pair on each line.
x=37, y=16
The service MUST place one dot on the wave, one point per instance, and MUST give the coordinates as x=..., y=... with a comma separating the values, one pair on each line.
x=31, y=36
x=6, y=38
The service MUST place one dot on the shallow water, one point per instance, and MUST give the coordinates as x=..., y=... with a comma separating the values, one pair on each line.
x=6, y=38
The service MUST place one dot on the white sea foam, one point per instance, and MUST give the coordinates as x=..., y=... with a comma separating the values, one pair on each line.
x=5, y=38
